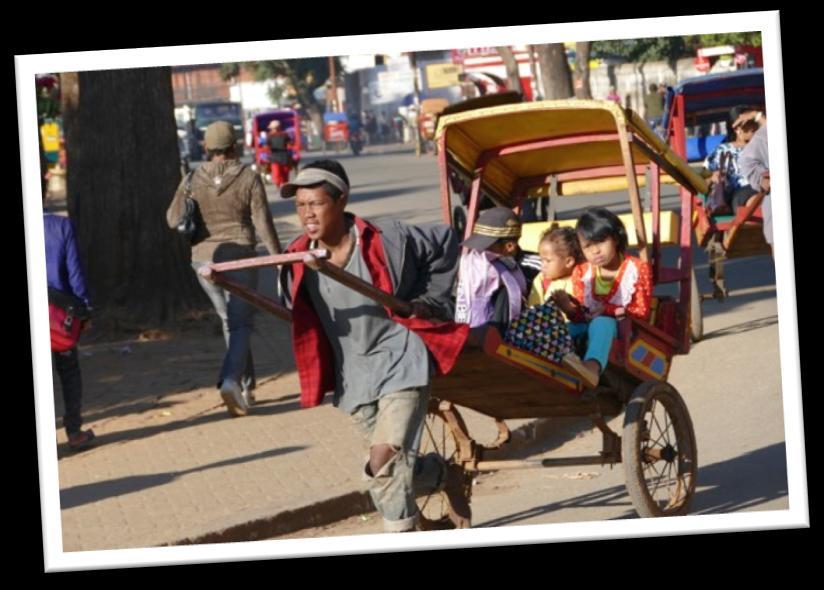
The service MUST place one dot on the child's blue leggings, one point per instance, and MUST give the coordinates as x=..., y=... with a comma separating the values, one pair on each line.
x=600, y=333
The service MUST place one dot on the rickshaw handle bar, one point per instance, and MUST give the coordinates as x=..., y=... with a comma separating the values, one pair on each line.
x=253, y=297
x=397, y=306
x=258, y=261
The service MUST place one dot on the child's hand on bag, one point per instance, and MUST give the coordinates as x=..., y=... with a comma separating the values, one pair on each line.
x=596, y=309
x=561, y=299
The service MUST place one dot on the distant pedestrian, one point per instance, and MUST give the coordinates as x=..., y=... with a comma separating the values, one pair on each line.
x=383, y=124
x=371, y=125
x=67, y=283
x=613, y=96
x=280, y=161
x=754, y=163
x=232, y=202
x=653, y=106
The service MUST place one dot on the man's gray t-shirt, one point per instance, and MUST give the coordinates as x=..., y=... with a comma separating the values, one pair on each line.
x=374, y=355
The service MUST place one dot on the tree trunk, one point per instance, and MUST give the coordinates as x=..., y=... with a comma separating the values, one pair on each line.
x=582, y=87
x=555, y=72
x=122, y=171
x=511, y=64
x=312, y=107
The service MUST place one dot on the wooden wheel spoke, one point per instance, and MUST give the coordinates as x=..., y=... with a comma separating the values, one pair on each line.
x=658, y=481
x=434, y=508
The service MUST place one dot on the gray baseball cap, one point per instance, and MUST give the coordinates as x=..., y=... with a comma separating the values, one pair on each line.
x=219, y=136
x=311, y=177
x=498, y=223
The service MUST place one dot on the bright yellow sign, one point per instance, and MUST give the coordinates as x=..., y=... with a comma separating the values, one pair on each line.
x=50, y=134
x=442, y=75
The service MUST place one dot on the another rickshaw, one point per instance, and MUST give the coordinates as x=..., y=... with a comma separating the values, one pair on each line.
x=702, y=103
x=335, y=131
x=427, y=120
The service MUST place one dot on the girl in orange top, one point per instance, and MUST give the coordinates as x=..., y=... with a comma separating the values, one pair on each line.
x=609, y=286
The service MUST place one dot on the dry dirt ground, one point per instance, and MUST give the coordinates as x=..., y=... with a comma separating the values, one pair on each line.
x=140, y=382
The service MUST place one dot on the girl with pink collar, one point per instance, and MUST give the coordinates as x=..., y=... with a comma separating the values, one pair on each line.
x=609, y=286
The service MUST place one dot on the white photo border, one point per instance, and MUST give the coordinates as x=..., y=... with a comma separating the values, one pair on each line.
x=797, y=516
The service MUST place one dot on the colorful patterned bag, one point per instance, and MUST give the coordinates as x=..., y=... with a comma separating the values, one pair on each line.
x=542, y=330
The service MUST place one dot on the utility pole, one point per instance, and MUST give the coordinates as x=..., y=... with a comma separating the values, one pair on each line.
x=333, y=75
x=413, y=61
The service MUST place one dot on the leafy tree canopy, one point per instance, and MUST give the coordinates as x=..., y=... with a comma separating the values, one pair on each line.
x=753, y=39
x=669, y=48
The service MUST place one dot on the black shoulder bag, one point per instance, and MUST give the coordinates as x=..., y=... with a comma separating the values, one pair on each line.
x=191, y=222
x=716, y=199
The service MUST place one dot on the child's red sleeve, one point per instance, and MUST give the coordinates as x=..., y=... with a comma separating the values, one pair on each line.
x=578, y=292
x=578, y=283
x=641, y=302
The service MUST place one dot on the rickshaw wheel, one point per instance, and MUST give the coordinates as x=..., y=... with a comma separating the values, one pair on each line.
x=434, y=507
x=696, y=312
x=659, y=451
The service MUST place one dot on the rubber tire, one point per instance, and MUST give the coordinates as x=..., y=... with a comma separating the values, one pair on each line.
x=696, y=312
x=631, y=442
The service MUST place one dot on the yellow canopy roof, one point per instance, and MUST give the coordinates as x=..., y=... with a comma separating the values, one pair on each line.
x=470, y=134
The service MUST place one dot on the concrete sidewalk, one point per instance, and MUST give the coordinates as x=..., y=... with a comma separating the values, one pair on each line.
x=171, y=466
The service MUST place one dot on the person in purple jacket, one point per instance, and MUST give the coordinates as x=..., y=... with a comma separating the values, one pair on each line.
x=65, y=273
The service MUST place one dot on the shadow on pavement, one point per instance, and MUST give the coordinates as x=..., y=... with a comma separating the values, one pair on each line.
x=88, y=493
x=742, y=328
x=214, y=414
x=734, y=485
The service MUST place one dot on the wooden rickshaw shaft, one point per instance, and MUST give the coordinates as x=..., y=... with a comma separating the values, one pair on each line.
x=274, y=260
x=314, y=259
x=366, y=289
x=250, y=295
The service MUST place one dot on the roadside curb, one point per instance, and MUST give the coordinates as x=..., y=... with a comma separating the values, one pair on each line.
x=326, y=512
x=314, y=515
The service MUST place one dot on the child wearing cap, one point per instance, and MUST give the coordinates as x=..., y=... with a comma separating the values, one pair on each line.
x=491, y=286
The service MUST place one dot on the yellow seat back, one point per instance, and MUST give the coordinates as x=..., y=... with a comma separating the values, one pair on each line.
x=670, y=220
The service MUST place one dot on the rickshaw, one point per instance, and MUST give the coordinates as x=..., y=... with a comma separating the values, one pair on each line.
x=427, y=119
x=290, y=124
x=575, y=147
x=702, y=102
x=335, y=130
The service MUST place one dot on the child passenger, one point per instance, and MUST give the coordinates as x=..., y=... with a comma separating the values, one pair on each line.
x=491, y=285
x=609, y=286
x=560, y=252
